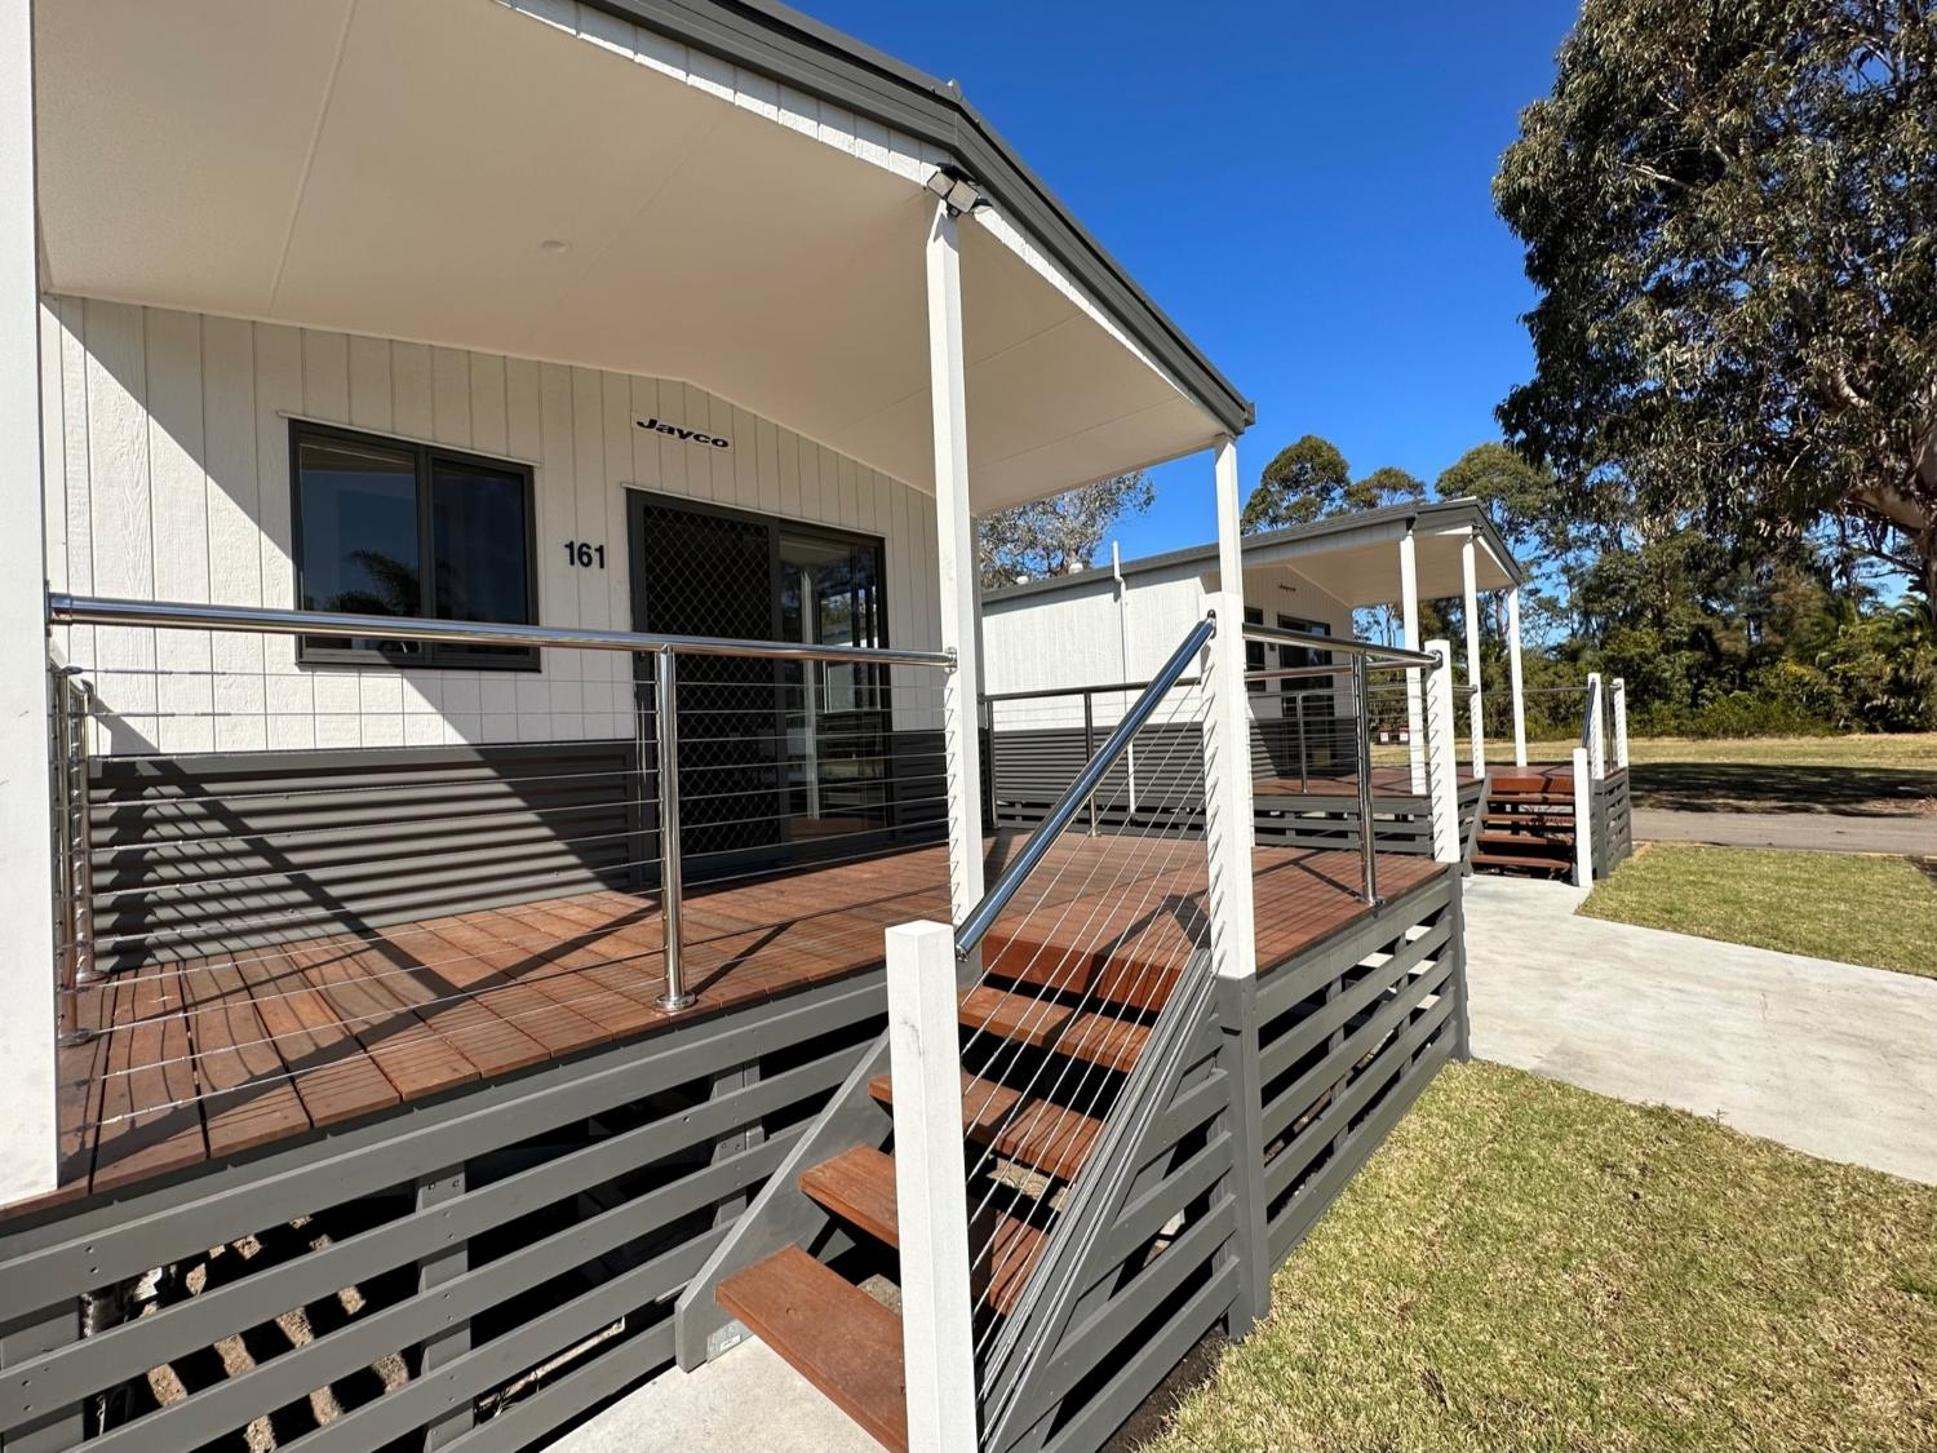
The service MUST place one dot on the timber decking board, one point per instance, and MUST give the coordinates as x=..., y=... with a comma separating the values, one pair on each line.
x=837, y=1336
x=859, y=1186
x=1041, y=1134
x=1084, y=1034
x=208, y=1057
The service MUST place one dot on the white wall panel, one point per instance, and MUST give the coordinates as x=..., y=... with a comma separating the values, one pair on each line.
x=168, y=478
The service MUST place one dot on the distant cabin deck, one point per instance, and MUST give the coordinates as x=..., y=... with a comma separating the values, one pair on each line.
x=1386, y=782
x=207, y=1058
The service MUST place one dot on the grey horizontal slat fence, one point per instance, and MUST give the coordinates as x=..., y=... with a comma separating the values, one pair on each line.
x=405, y=1277
x=1294, y=1079
x=1030, y=769
x=1348, y=1035
x=1613, y=831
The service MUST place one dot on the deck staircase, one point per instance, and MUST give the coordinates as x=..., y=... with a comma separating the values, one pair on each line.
x=1022, y=1030
x=1527, y=825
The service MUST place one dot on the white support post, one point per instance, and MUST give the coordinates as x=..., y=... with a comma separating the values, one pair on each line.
x=1410, y=624
x=29, y=1149
x=1583, y=820
x=931, y=1193
x=1469, y=583
x=1620, y=695
x=1230, y=827
x=955, y=545
x=1439, y=744
x=1596, y=727
x=1513, y=671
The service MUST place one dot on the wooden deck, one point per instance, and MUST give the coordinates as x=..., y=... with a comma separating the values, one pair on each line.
x=1386, y=782
x=208, y=1058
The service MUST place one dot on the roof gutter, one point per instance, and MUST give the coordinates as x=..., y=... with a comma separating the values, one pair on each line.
x=796, y=50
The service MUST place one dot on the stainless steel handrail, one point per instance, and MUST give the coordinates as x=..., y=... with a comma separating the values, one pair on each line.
x=84, y=610
x=984, y=914
x=1339, y=645
x=76, y=610
x=1045, y=693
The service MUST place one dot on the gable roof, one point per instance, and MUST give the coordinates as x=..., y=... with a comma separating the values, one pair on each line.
x=785, y=45
x=1346, y=529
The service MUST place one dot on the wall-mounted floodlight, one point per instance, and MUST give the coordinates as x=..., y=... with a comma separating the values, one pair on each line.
x=955, y=189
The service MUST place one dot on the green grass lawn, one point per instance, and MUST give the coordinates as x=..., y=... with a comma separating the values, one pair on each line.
x=1852, y=774
x=1912, y=751
x=1861, y=909
x=1525, y=1265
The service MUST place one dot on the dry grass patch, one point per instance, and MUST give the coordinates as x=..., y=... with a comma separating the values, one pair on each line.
x=1525, y=1265
x=1861, y=909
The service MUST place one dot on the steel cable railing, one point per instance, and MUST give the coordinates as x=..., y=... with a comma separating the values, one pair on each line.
x=794, y=757
x=1076, y=980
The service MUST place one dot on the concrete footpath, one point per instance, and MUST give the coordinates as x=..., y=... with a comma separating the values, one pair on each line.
x=745, y=1401
x=1826, y=832
x=1833, y=1059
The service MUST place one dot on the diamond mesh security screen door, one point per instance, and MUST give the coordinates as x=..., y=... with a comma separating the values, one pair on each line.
x=700, y=573
x=778, y=760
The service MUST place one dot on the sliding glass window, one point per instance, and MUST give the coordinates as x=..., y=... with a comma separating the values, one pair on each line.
x=388, y=528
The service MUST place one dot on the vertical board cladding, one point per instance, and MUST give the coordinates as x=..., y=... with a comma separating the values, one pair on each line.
x=167, y=478
x=1101, y=633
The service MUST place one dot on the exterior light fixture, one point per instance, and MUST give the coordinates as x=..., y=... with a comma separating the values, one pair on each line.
x=955, y=189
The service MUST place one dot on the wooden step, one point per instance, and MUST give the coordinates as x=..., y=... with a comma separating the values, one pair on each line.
x=1523, y=862
x=1140, y=978
x=1528, y=842
x=1040, y=1134
x=832, y=1333
x=1529, y=819
x=1559, y=800
x=859, y=1186
x=1099, y=1039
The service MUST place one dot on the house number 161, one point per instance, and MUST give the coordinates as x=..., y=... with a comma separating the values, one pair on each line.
x=584, y=554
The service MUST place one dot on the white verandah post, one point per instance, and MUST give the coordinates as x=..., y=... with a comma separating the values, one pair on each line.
x=1596, y=727
x=1583, y=820
x=1410, y=623
x=1619, y=693
x=29, y=1150
x=924, y=1025
x=956, y=574
x=931, y=1193
x=1469, y=584
x=1440, y=734
x=1513, y=671
x=1231, y=827
x=1230, y=831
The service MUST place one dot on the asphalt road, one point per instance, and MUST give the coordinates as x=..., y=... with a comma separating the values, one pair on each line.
x=1815, y=831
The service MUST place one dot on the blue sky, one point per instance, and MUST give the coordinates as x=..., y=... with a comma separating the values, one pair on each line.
x=1303, y=186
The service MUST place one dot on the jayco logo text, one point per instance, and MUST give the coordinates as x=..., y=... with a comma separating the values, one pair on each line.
x=692, y=436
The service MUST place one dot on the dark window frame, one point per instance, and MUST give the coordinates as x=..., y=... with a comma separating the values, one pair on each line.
x=314, y=651
x=1294, y=685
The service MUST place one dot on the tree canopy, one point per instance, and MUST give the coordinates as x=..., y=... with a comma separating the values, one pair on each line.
x=1310, y=480
x=1058, y=535
x=1728, y=211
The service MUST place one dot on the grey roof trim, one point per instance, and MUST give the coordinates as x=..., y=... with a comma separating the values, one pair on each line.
x=1440, y=513
x=779, y=42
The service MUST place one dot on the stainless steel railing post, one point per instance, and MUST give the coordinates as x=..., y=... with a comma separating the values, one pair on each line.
x=671, y=882
x=1089, y=747
x=1368, y=847
x=1304, y=757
